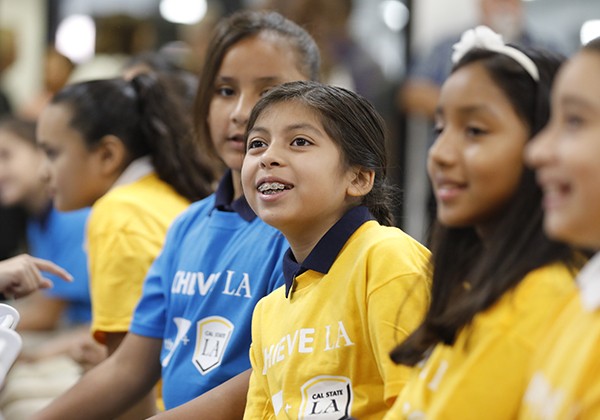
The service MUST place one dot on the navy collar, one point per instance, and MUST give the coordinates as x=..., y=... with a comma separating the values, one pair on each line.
x=224, y=197
x=323, y=255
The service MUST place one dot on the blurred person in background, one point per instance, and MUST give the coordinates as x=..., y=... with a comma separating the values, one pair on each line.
x=57, y=70
x=420, y=91
x=12, y=219
x=55, y=321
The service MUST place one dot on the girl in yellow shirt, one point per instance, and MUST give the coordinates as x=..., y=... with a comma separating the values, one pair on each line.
x=315, y=169
x=564, y=383
x=124, y=148
x=497, y=280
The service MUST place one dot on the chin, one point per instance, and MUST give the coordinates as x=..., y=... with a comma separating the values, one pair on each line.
x=62, y=206
x=451, y=221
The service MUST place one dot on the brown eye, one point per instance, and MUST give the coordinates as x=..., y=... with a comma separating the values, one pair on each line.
x=300, y=141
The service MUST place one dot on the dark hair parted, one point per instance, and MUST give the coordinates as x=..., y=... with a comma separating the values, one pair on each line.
x=468, y=276
x=353, y=124
x=230, y=31
x=22, y=128
x=143, y=114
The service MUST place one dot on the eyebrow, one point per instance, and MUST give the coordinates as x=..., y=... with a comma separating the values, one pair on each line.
x=469, y=110
x=580, y=102
x=292, y=127
x=265, y=79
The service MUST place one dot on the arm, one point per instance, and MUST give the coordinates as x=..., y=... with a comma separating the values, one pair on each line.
x=225, y=402
x=21, y=275
x=112, y=386
x=40, y=312
x=146, y=406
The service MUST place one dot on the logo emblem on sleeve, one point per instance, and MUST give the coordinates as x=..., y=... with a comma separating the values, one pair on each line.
x=326, y=397
x=212, y=336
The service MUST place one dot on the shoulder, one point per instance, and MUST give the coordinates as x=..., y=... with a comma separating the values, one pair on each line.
x=384, y=255
x=382, y=242
x=536, y=300
x=546, y=282
x=271, y=302
x=126, y=203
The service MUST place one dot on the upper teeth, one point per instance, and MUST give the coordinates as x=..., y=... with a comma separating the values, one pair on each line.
x=271, y=186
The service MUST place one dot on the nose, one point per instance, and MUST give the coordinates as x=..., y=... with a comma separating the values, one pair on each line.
x=270, y=158
x=242, y=109
x=540, y=150
x=443, y=151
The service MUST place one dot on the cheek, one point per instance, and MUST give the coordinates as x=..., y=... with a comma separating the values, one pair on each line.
x=249, y=165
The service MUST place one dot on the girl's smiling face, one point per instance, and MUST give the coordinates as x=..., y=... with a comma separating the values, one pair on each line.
x=476, y=162
x=294, y=175
x=566, y=154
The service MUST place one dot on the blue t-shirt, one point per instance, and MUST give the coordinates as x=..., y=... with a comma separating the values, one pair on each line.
x=218, y=261
x=59, y=237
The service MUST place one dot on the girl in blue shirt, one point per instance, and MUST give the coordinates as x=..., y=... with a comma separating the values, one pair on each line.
x=192, y=324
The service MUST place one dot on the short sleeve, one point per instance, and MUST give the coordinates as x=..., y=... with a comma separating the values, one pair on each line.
x=150, y=314
x=119, y=262
x=258, y=405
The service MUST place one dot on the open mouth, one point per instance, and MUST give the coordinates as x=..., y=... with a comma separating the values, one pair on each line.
x=270, y=188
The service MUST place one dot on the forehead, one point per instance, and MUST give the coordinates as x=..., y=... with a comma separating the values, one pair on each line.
x=10, y=138
x=54, y=124
x=580, y=77
x=262, y=55
x=289, y=113
x=472, y=86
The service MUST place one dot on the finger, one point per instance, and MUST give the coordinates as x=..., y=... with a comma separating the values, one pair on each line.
x=50, y=267
x=46, y=283
x=28, y=281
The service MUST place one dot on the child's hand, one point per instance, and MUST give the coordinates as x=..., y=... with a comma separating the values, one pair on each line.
x=22, y=275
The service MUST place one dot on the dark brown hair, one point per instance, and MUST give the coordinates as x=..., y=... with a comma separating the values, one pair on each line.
x=237, y=27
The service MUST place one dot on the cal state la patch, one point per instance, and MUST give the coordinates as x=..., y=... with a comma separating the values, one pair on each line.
x=326, y=397
x=212, y=336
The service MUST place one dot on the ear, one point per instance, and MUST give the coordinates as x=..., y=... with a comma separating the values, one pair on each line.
x=111, y=154
x=361, y=182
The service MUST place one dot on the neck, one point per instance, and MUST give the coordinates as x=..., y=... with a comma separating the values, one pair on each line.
x=38, y=203
x=304, y=239
x=236, y=177
x=302, y=248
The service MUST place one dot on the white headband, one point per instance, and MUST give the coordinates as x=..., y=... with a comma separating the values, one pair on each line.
x=486, y=39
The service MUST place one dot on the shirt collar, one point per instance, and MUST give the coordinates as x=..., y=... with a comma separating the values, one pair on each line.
x=323, y=255
x=137, y=169
x=224, y=197
x=589, y=283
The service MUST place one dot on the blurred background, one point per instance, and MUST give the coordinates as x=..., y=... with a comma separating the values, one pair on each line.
x=372, y=46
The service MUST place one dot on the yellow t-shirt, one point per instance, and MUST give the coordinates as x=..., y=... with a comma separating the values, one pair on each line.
x=125, y=233
x=484, y=374
x=565, y=383
x=323, y=351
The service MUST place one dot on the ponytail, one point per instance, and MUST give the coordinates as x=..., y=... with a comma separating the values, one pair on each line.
x=149, y=119
x=165, y=128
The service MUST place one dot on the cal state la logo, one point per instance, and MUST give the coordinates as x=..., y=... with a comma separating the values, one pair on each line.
x=326, y=397
x=212, y=336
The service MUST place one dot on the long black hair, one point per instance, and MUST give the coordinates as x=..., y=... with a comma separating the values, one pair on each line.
x=468, y=276
x=145, y=116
